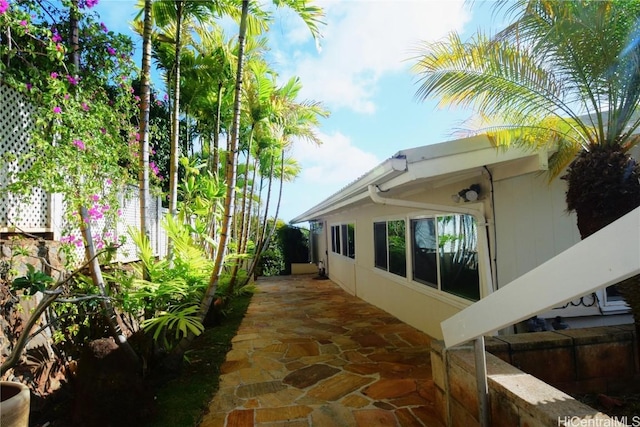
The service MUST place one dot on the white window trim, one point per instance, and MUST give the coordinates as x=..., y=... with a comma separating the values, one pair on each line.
x=339, y=224
x=484, y=259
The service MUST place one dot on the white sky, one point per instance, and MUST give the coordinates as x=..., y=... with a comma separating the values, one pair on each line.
x=361, y=74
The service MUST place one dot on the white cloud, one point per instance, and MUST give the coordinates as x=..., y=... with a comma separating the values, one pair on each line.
x=365, y=39
x=326, y=169
x=333, y=164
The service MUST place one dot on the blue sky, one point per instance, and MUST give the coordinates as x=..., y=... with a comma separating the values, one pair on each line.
x=361, y=73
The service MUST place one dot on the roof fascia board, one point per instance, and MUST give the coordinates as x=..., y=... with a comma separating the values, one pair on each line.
x=423, y=162
x=458, y=163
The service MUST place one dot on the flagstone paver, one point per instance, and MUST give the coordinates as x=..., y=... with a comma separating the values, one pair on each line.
x=309, y=354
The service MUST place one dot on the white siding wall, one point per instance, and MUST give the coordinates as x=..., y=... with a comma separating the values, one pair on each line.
x=412, y=302
x=532, y=224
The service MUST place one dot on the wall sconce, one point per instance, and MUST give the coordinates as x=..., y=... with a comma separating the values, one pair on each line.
x=470, y=194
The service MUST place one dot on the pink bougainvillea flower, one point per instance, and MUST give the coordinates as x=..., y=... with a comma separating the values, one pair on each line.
x=29, y=86
x=103, y=131
x=105, y=208
x=54, y=75
x=119, y=212
x=103, y=27
x=95, y=214
x=4, y=5
x=111, y=50
x=79, y=143
x=87, y=4
x=56, y=37
x=57, y=110
x=67, y=96
x=94, y=197
x=24, y=23
x=59, y=47
x=85, y=106
x=71, y=79
x=154, y=168
x=109, y=181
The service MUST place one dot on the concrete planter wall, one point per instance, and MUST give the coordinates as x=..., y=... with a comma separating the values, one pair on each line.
x=303, y=268
x=590, y=359
x=15, y=401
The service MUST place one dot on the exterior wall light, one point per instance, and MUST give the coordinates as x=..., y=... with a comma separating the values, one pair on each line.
x=470, y=194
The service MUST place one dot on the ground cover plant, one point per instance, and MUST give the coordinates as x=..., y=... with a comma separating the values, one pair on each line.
x=181, y=401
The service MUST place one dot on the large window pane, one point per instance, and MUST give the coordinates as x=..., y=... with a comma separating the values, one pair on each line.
x=397, y=248
x=351, y=239
x=336, y=238
x=315, y=237
x=458, y=244
x=345, y=240
x=425, y=251
x=380, y=244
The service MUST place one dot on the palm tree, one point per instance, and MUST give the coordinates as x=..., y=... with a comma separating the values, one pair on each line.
x=291, y=121
x=563, y=76
x=145, y=101
x=312, y=16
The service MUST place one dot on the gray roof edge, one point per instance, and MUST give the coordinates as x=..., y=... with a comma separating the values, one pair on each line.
x=390, y=168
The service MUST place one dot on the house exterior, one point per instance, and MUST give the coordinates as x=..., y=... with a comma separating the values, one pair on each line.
x=435, y=228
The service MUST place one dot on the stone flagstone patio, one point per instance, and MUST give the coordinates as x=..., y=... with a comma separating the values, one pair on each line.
x=309, y=354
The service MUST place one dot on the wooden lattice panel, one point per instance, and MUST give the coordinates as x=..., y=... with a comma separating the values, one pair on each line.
x=41, y=212
x=16, y=125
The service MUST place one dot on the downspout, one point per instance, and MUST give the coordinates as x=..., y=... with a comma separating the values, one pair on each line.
x=494, y=257
x=480, y=359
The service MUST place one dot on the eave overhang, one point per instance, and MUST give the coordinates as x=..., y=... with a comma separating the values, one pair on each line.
x=432, y=163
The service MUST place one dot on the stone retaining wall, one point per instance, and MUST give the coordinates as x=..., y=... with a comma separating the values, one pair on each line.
x=588, y=358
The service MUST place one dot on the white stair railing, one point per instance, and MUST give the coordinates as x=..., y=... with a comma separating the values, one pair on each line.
x=603, y=259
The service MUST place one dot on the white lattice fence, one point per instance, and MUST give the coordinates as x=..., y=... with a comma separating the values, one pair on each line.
x=15, y=127
x=40, y=212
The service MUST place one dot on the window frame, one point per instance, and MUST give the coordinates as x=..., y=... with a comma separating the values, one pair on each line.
x=387, y=266
x=438, y=286
x=343, y=239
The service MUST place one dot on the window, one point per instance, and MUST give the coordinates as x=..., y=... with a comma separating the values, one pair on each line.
x=343, y=240
x=389, y=243
x=315, y=239
x=445, y=254
x=335, y=239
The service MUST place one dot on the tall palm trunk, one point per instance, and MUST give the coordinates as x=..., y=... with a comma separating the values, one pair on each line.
x=145, y=101
x=247, y=225
x=175, y=118
x=242, y=241
x=214, y=154
x=265, y=242
x=225, y=227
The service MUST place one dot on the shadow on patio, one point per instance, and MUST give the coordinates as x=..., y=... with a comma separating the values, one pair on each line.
x=309, y=354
